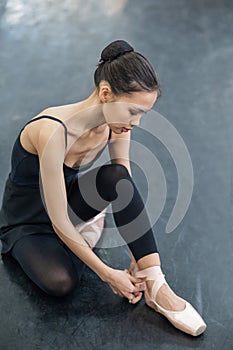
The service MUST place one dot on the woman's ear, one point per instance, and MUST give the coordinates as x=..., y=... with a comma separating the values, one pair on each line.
x=105, y=92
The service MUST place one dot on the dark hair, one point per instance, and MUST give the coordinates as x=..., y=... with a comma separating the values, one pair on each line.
x=125, y=70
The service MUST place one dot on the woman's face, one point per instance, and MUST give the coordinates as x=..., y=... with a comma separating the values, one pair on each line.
x=126, y=111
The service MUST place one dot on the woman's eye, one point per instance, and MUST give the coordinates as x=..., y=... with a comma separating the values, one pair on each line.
x=133, y=112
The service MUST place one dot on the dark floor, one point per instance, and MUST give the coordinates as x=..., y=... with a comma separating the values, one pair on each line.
x=48, y=54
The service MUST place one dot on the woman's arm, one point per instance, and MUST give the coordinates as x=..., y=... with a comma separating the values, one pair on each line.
x=119, y=149
x=51, y=152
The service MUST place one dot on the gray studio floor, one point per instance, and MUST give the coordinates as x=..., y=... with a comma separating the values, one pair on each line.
x=48, y=53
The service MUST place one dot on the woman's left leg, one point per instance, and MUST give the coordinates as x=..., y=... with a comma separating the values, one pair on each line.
x=100, y=186
x=113, y=183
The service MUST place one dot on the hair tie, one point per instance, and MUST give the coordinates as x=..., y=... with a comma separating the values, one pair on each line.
x=115, y=56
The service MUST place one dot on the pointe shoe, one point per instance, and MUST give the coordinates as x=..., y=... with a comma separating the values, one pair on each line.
x=90, y=230
x=187, y=320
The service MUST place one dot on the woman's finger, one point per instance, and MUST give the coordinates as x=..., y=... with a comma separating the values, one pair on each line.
x=130, y=296
x=137, y=280
x=113, y=289
x=136, y=298
x=140, y=286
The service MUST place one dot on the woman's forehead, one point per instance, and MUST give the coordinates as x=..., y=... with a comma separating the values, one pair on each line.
x=141, y=100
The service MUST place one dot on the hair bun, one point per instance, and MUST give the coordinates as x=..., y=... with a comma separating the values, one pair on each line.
x=114, y=50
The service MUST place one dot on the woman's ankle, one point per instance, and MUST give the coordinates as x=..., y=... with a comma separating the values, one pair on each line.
x=149, y=261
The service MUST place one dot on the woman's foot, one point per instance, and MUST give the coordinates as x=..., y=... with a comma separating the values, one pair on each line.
x=166, y=298
x=160, y=297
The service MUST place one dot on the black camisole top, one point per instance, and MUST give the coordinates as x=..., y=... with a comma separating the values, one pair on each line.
x=25, y=165
x=22, y=212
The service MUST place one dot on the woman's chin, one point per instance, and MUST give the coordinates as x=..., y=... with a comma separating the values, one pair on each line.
x=117, y=131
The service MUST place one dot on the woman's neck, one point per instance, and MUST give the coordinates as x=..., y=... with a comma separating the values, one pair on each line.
x=88, y=113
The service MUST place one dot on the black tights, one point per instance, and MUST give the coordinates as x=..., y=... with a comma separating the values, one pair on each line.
x=51, y=264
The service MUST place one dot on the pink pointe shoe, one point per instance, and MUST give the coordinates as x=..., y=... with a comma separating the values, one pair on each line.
x=92, y=229
x=187, y=320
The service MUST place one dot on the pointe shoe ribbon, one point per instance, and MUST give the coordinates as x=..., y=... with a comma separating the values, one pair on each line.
x=187, y=320
x=153, y=273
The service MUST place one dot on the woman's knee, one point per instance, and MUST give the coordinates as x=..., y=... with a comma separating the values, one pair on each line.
x=116, y=170
x=109, y=175
x=44, y=261
x=61, y=283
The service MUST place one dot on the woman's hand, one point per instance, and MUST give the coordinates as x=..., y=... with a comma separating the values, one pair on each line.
x=132, y=269
x=126, y=285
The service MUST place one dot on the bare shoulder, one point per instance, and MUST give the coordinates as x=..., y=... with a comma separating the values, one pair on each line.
x=51, y=137
x=43, y=128
x=62, y=113
x=56, y=112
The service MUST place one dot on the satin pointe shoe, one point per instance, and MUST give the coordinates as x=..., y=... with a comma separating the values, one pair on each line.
x=187, y=320
x=91, y=230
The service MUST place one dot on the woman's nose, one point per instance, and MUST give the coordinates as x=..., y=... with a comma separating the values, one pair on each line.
x=135, y=123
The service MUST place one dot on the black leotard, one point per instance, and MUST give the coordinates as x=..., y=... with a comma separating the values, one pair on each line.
x=25, y=165
x=22, y=212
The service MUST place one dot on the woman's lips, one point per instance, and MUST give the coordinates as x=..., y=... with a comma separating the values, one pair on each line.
x=125, y=129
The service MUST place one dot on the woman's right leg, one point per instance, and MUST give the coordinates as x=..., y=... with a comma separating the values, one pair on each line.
x=48, y=263
x=112, y=183
x=129, y=214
